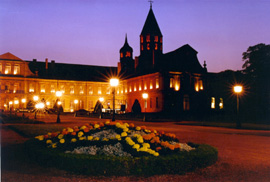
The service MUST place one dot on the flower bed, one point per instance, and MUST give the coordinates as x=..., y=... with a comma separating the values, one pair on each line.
x=118, y=149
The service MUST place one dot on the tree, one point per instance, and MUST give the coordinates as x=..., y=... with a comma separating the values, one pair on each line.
x=256, y=68
x=257, y=62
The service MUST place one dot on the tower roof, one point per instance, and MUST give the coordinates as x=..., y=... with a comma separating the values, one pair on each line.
x=126, y=46
x=151, y=25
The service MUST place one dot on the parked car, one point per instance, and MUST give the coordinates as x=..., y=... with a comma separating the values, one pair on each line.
x=81, y=112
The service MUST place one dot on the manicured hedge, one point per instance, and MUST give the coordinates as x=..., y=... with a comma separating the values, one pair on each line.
x=202, y=156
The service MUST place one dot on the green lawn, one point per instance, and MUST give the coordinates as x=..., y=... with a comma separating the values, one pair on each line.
x=30, y=130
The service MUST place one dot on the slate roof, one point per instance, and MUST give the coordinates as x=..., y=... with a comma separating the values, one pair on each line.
x=76, y=72
x=151, y=25
x=183, y=59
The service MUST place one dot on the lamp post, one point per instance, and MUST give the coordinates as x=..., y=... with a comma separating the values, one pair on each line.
x=16, y=102
x=38, y=106
x=35, y=99
x=76, y=102
x=101, y=99
x=145, y=97
x=10, y=106
x=114, y=82
x=238, y=90
x=23, y=102
x=58, y=95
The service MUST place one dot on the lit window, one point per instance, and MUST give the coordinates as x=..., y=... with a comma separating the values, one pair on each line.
x=176, y=82
x=121, y=54
x=213, y=106
x=196, y=84
x=221, y=103
x=0, y=68
x=127, y=54
x=8, y=69
x=157, y=83
x=130, y=89
x=156, y=46
x=63, y=88
x=90, y=90
x=151, y=84
x=171, y=82
x=160, y=39
x=52, y=89
x=145, y=86
x=141, y=39
x=99, y=90
x=15, y=89
x=71, y=89
x=147, y=38
x=81, y=90
x=108, y=90
x=42, y=88
x=31, y=87
x=16, y=69
x=148, y=47
x=135, y=88
x=142, y=47
x=156, y=38
x=201, y=84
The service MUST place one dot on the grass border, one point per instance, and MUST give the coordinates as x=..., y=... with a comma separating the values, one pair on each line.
x=203, y=156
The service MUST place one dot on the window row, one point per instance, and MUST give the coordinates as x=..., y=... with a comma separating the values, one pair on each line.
x=175, y=83
x=141, y=85
x=215, y=101
x=7, y=69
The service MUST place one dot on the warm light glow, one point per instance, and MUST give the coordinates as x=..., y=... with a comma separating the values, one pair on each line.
x=35, y=98
x=31, y=90
x=6, y=72
x=197, y=88
x=114, y=82
x=58, y=94
x=16, y=102
x=5, y=105
x=213, y=103
x=99, y=92
x=101, y=99
x=15, y=72
x=237, y=89
x=59, y=102
x=71, y=110
x=40, y=105
x=76, y=101
x=10, y=102
x=48, y=103
x=176, y=87
x=42, y=90
x=145, y=95
x=23, y=100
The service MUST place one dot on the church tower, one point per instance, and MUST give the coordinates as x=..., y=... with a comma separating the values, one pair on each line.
x=150, y=42
x=126, y=60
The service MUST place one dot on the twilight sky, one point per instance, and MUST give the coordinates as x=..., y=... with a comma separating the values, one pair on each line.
x=93, y=31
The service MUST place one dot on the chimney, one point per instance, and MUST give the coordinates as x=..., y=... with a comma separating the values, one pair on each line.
x=46, y=61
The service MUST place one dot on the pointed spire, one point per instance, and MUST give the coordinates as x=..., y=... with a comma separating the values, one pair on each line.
x=126, y=42
x=126, y=46
x=151, y=25
x=150, y=3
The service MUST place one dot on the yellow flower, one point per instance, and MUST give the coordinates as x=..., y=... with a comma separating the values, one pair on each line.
x=83, y=127
x=140, y=139
x=146, y=145
x=48, y=142
x=117, y=136
x=105, y=139
x=138, y=128
x=82, y=138
x=126, y=124
x=123, y=134
x=62, y=141
x=40, y=137
x=80, y=134
x=125, y=129
x=136, y=146
x=54, y=145
x=96, y=138
x=96, y=126
x=107, y=122
x=49, y=133
x=118, y=125
x=70, y=130
x=90, y=138
x=60, y=136
x=73, y=140
x=156, y=154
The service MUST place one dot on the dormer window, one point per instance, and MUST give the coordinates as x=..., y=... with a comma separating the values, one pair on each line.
x=8, y=69
x=16, y=69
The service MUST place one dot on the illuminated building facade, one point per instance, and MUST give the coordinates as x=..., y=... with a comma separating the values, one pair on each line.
x=174, y=81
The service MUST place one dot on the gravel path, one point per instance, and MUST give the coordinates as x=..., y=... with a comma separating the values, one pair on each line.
x=243, y=156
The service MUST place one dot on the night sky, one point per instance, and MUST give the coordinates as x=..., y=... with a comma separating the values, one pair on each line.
x=93, y=31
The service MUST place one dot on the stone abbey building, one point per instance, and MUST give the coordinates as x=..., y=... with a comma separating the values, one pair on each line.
x=174, y=81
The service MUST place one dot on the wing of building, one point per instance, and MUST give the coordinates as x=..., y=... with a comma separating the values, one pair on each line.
x=175, y=81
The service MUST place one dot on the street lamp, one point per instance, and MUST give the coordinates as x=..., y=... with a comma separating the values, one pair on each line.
x=145, y=97
x=238, y=90
x=23, y=101
x=58, y=95
x=76, y=102
x=38, y=106
x=114, y=82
